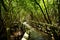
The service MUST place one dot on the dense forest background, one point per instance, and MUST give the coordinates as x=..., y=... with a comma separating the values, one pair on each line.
x=38, y=19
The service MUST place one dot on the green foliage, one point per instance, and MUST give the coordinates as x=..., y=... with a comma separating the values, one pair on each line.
x=45, y=11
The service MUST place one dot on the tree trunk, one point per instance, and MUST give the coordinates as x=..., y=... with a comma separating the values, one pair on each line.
x=58, y=16
x=3, y=35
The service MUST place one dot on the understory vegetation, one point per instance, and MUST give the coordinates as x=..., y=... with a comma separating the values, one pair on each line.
x=29, y=19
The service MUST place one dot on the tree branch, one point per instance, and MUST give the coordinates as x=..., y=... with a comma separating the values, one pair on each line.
x=47, y=13
x=42, y=11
